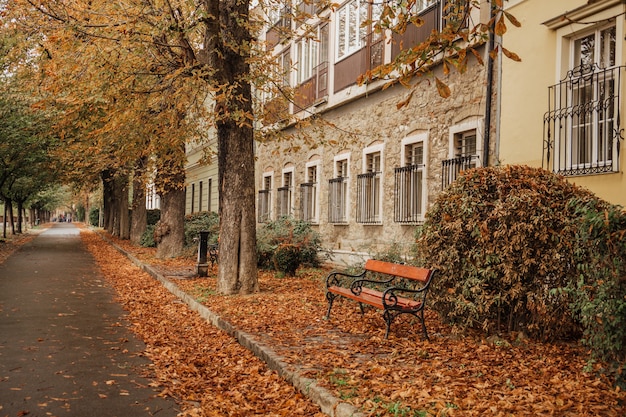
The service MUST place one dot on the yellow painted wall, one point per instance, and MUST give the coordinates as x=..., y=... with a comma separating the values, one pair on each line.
x=524, y=98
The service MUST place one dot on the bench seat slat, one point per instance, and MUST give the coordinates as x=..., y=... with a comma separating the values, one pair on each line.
x=374, y=298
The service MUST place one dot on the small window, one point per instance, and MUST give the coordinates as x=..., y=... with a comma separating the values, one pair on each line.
x=285, y=193
x=309, y=200
x=265, y=200
x=338, y=192
x=369, y=189
x=409, y=184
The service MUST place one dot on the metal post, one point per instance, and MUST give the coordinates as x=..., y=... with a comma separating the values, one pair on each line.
x=203, y=266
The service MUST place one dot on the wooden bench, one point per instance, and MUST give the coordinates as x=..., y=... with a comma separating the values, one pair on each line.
x=396, y=289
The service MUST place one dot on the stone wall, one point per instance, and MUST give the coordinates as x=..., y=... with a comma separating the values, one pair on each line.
x=370, y=120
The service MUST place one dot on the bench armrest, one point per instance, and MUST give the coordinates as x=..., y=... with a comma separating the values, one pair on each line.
x=391, y=294
x=342, y=279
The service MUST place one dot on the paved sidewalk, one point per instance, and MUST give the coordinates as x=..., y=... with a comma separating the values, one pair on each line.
x=64, y=347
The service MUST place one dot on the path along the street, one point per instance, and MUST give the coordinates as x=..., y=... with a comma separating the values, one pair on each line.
x=64, y=347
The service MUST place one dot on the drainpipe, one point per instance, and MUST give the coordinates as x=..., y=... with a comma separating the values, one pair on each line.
x=489, y=104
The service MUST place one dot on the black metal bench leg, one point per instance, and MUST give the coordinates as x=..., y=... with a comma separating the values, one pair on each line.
x=330, y=297
x=388, y=317
x=424, y=325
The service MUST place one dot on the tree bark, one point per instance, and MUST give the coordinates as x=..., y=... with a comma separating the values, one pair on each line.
x=139, y=215
x=170, y=230
x=107, y=200
x=237, y=272
x=123, y=212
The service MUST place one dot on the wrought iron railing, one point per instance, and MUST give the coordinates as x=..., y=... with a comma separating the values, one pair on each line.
x=284, y=201
x=582, y=128
x=308, y=202
x=408, y=204
x=337, y=200
x=451, y=168
x=368, y=198
x=264, y=206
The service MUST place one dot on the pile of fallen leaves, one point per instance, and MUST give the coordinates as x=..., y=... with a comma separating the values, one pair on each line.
x=399, y=376
x=206, y=370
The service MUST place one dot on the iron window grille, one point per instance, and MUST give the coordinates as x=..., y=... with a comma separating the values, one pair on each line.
x=582, y=128
x=408, y=205
x=337, y=199
x=368, y=198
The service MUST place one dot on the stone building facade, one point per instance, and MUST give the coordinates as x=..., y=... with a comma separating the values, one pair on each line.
x=365, y=170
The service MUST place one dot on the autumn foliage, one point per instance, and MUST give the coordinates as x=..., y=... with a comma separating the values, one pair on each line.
x=504, y=241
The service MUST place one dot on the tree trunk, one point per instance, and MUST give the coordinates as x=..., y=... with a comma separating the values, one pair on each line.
x=123, y=212
x=20, y=216
x=170, y=180
x=139, y=212
x=107, y=200
x=4, y=221
x=237, y=272
x=9, y=204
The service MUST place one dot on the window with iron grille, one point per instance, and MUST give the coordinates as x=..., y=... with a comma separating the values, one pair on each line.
x=338, y=193
x=409, y=185
x=285, y=195
x=369, y=190
x=309, y=196
x=581, y=127
x=465, y=156
x=264, y=206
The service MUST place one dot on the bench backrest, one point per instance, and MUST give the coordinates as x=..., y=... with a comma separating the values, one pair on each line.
x=405, y=271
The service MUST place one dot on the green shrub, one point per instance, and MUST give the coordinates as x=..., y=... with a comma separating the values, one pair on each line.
x=201, y=221
x=599, y=293
x=153, y=216
x=147, y=238
x=287, y=243
x=503, y=240
x=94, y=217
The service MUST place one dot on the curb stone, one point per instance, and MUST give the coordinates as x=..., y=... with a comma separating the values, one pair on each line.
x=328, y=403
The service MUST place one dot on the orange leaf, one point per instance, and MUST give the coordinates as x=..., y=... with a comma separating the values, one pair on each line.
x=511, y=55
x=442, y=88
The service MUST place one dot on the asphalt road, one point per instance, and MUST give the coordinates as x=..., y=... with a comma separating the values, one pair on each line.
x=65, y=349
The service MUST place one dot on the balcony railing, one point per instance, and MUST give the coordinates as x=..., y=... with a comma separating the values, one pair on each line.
x=451, y=168
x=582, y=128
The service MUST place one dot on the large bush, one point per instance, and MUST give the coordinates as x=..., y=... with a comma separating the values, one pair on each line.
x=599, y=292
x=503, y=239
x=287, y=243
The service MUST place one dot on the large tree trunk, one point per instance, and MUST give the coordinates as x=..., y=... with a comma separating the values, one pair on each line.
x=237, y=272
x=170, y=230
x=139, y=216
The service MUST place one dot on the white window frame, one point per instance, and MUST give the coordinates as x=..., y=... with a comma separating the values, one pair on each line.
x=423, y=171
x=346, y=185
x=464, y=128
x=566, y=34
x=267, y=214
x=307, y=57
x=573, y=158
x=376, y=205
x=315, y=203
x=348, y=21
x=290, y=196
